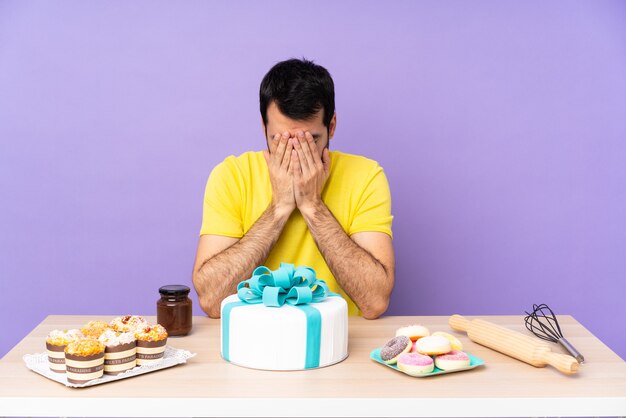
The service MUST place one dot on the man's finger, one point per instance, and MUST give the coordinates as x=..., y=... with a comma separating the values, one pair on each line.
x=292, y=164
x=301, y=157
x=280, y=151
x=309, y=150
x=295, y=165
x=287, y=157
x=312, y=146
x=274, y=143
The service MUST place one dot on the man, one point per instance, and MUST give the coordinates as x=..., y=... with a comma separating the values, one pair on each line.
x=297, y=202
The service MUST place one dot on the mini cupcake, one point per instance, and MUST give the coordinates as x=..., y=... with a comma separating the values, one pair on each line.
x=150, y=344
x=95, y=328
x=56, y=342
x=128, y=323
x=120, y=352
x=84, y=360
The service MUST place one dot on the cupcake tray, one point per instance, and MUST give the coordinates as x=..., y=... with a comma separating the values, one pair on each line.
x=474, y=362
x=171, y=357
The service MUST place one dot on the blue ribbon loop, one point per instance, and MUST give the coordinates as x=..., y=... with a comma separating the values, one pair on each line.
x=293, y=286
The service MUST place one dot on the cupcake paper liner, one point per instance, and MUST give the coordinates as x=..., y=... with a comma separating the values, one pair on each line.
x=150, y=352
x=82, y=369
x=56, y=357
x=119, y=358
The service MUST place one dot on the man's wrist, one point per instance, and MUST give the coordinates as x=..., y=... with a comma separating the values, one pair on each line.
x=281, y=211
x=310, y=210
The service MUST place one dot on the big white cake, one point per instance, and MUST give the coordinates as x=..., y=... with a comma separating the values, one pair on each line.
x=286, y=337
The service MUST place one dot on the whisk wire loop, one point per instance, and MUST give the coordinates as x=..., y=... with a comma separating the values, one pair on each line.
x=543, y=323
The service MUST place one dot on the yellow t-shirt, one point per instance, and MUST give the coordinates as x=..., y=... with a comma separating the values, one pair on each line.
x=239, y=191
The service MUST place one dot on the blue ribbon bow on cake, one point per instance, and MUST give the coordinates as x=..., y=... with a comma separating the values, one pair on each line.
x=297, y=287
x=285, y=285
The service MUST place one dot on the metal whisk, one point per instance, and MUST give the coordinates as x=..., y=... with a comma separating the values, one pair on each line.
x=543, y=323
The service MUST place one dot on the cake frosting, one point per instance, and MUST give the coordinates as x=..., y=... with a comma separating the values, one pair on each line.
x=415, y=364
x=433, y=345
x=151, y=333
x=113, y=338
x=275, y=338
x=454, y=342
x=95, y=328
x=85, y=347
x=453, y=360
x=63, y=337
x=128, y=323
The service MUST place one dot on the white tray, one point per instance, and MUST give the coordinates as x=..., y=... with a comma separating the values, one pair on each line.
x=171, y=357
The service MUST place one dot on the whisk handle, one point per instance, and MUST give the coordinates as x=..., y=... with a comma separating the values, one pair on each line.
x=562, y=362
x=570, y=349
x=459, y=323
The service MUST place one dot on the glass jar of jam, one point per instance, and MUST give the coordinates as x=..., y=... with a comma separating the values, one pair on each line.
x=174, y=309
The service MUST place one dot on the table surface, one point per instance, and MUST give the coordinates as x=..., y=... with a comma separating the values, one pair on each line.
x=208, y=386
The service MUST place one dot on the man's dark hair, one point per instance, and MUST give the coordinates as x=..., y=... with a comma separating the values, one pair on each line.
x=300, y=88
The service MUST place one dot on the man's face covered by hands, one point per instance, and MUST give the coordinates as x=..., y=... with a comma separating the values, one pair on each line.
x=297, y=159
x=279, y=124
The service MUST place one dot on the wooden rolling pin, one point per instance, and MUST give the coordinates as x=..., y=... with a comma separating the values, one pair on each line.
x=513, y=343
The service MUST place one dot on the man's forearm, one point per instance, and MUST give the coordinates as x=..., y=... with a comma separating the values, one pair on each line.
x=364, y=278
x=218, y=276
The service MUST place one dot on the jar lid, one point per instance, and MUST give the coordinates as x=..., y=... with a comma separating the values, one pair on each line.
x=174, y=290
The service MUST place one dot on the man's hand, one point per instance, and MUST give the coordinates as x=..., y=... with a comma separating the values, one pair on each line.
x=280, y=168
x=310, y=172
x=363, y=265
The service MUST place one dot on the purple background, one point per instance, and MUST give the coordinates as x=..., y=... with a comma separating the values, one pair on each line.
x=501, y=126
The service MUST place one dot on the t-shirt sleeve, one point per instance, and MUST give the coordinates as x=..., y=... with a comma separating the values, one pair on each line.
x=221, y=214
x=373, y=210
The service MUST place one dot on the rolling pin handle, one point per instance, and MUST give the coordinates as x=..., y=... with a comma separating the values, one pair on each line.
x=562, y=362
x=458, y=323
